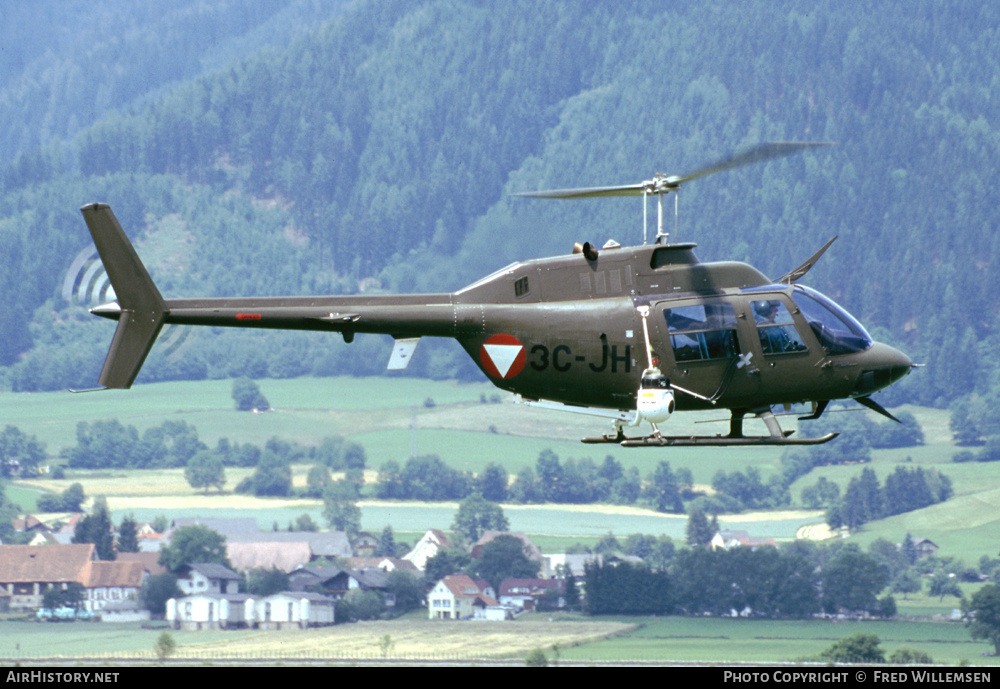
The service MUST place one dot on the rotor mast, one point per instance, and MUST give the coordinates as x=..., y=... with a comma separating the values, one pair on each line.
x=660, y=186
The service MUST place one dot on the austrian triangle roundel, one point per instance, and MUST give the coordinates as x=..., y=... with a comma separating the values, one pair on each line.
x=502, y=356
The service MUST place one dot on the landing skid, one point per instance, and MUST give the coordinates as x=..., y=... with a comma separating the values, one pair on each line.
x=775, y=436
x=707, y=440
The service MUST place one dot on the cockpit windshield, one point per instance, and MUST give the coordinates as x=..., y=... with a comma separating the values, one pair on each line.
x=837, y=331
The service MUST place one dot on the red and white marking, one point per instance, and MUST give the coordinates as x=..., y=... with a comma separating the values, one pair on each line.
x=502, y=356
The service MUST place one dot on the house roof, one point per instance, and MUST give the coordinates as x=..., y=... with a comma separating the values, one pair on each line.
x=372, y=578
x=299, y=595
x=273, y=555
x=575, y=562
x=213, y=570
x=428, y=545
x=463, y=586
x=111, y=573
x=44, y=563
x=232, y=529
x=530, y=549
x=321, y=543
x=231, y=597
x=29, y=523
x=385, y=563
x=150, y=561
x=531, y=587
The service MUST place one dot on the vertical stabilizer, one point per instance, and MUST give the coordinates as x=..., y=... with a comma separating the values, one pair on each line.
x=141, y=308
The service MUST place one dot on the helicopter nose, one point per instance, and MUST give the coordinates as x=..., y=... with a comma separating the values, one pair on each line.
x=883, y=366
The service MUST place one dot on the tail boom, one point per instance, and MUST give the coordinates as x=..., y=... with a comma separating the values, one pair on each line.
x=142, y=312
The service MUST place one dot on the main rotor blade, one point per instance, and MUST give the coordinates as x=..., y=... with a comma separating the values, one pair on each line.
x=662, y=184
x=586, y=192
x=754, y=154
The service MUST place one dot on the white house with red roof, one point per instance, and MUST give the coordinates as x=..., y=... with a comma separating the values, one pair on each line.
x=460, y=597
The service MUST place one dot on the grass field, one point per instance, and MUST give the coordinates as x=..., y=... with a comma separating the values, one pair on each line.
x=393, y=417
x=580, y=639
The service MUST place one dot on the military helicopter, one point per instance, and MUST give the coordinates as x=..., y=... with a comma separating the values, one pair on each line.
x=630, y=335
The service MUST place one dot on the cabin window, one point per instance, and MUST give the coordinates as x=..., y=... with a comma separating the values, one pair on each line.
x=702, y=332
x=521, y=287
x=837, y=331
x=775, y=328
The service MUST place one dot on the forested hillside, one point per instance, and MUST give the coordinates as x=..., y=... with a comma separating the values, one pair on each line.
x=305, y=147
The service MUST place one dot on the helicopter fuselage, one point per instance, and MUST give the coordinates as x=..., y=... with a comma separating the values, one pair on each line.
x=570, y=329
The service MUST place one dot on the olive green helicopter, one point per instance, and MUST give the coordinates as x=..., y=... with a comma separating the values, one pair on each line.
x=628, y=334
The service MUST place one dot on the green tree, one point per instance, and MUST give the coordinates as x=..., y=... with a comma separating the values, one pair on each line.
x=205, y=470
x=340, y=508
x=852, y=581
x=73, y=498
x=909, y=656
x=317, y=480
x=982, y=615
x=128, y=535
x=406, y=589
x=445, y=562
x=476, y=515
x=536, y=658
x=699, y=531
x=194, y=544
x=944, y=584
x=305, y=523
x=157, y=590
x=96, y=528
x=859, y=648
x=20, y=453
x=526, y=488
x=70, y=597
x=70, y=500
x=386, y=543
x=264, y=582
x=663, y=489
x=360, y=605
x=907, y=582
x=492, y=482
x=165, y=646
x=247, y=396
x=273, y=476
x=501, y=558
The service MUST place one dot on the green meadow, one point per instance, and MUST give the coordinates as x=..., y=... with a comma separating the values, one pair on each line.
x=470, y=425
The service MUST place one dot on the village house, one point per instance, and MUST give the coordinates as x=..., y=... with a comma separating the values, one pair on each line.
x=563, y=564
x=284, y=610
x=208, y=577
x=112, y=584
x=459, y=597
x=210, y=611
x=283, y=557
x=292, y=610
x=426, y=548
x=532, y=594
x=27, y=571
x=737, y=538
x=531, y=550
x=316, y=579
